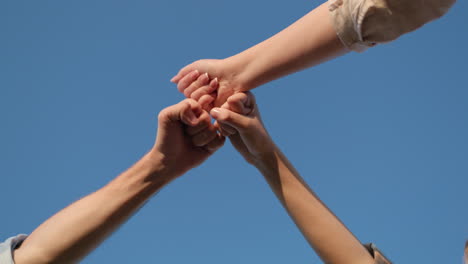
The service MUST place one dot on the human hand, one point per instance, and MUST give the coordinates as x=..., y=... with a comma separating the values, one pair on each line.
x=199, y=85
x=239, y=119
x=223, y=71
x=185, y=138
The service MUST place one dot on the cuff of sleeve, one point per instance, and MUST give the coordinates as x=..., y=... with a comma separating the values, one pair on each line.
x=347, y=17
x=379, y=258
x=7, y=248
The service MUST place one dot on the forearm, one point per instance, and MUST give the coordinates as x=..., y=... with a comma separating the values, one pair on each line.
x=75, y=231
x=332, y=241
x=309, y=41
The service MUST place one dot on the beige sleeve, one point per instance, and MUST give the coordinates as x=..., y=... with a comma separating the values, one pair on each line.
x=364, y=23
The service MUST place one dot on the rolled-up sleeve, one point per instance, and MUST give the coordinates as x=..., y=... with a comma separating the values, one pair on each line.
x=7, y=248
x=364, y=23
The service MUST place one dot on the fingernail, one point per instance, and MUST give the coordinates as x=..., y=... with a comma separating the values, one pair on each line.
x=215, y=112
x=173, y=79
x=204, y=78
x=214, y=83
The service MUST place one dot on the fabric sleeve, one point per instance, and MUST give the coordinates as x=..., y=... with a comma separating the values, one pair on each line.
x=7, y=248
x=379, y=258
x=364, y=23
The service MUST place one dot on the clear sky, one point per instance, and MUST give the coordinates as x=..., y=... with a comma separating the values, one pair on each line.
x=380, y=136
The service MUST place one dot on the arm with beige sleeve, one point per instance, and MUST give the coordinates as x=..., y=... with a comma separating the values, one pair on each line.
x=330, y=30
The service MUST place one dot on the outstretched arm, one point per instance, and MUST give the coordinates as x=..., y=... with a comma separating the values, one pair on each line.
x=328, y=236
x=328, y=31
x=185, y=139
x=75, y=231
x=307, y=42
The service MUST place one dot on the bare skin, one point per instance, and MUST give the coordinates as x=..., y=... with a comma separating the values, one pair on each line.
x=309, y=41
x=184, y=140
x=327, y=235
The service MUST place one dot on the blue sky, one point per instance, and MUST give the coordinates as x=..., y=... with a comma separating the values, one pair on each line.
x=380, y=136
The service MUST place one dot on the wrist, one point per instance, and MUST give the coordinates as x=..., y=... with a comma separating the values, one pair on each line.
x=158, y=167
x=237, y=65
x=267, y=157
x=142, y=180
x=256, y=67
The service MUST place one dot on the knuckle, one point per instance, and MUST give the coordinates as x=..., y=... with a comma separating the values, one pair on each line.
x=179, y=87
x=189, y=102
x=184, y=105
x=199, y=94
x=195, y=95
x=205, y=118
x=187, y=93
x=231, y=100
x=163, y=114
x=182, y=84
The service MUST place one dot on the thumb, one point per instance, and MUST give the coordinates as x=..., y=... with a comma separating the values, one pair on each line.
x=235, y=120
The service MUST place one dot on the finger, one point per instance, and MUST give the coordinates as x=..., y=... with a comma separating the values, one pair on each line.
x=225, y=106
x=187, y=80
x=204, y=136
x=172, y=113
x=206, y=101
x=197, y=93
x=251, y=101
x=235, y=106
x=227, y=130
x=242, y=103
x=202, y=80
x=237, y=103
x=190, y=112
x=203, y=122
x=215, y=144
x=247, y=98
x=235, y=120
x=222, y=97
x=184, y=71
x=222, y=129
